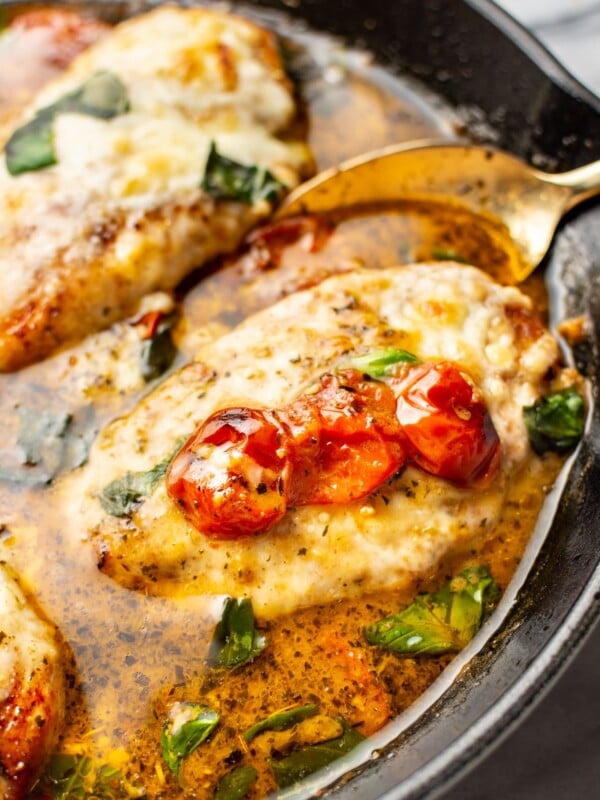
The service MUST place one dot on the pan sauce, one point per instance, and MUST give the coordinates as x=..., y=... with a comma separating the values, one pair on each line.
x=133, y=655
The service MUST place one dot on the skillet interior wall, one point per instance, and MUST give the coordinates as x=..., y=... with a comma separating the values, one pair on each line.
x=462, y=51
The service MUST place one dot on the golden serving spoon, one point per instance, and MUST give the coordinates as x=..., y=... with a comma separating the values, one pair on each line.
x=519, y=205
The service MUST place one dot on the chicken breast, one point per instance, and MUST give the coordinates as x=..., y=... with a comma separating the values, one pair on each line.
x=32, y=698
x=319, y=553
x=117, y=208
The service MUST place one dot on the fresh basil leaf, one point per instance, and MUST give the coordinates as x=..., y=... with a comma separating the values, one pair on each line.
x=235, y=785
x=123, y=495
x=281, y=721
x=226, y=179
x=75, y=777
x=41, y=437
x=555, y=421
x=158, y=353
x=31, y=147
x=236, y=640
x=444, y=254
x=68, y=775
x=48, y=443
x=104, y=96
x=303, y=762
x=186, y=727
x=441, y=622
x=378, y=363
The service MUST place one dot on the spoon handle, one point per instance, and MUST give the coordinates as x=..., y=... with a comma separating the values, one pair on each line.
x=582, y=182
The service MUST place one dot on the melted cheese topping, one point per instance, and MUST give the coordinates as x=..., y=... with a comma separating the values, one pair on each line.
x=321, y=553
x=122, y=212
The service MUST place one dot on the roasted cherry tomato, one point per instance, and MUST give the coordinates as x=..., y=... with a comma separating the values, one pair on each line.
x=447, y=424
x=231, y=478
x=345, y=439
x=336, y=443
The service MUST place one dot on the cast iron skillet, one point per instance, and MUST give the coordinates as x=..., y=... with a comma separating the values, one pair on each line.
x=479, y=60
x=475, y=56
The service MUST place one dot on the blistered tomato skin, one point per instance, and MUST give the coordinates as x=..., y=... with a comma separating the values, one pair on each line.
x=335, y=444
x=447, y=424
x=346, y=440
x=231, y=478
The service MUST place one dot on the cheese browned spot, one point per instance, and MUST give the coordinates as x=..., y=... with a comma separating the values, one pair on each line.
x=31, y=690
x=122, y=213
x=401, y=530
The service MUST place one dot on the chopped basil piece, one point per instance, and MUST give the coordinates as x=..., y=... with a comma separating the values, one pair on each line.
x=236, y=639
x=74, y=777
x=234, y=785
x=226, y=179
x=301, y=763
x=123, y=495
x=158, y=353
x=48, y=443
x=104, y=96
x=441, y=622
x=31, y=147
x=41, y=436
x=378, y=363
x=186, y=727
x=443, y=254
x=555, y=421
x=281, y=720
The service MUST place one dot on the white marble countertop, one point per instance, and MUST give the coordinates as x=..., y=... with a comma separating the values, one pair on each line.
x=555, y=753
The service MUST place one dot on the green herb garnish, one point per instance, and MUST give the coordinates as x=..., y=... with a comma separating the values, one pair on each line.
x=281, y=721
x=158, y=353
x=303, y=762
x=226, y=179
x=48, y=443
x=555, y=421
x=123, y=495
x=236, y=639
x=186, y=727
x=41, y=437
x=379, y=363
x=31, y=147
x=444, y=254
x=235, y=785
x=441, y=622
x=74, y=777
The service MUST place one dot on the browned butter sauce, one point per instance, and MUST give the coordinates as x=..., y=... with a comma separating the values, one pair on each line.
x=131, y=655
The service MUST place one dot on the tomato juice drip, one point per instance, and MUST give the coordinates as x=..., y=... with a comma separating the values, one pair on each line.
x=242, y=468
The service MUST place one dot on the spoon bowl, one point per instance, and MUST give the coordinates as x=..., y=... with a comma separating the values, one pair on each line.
x=521, y=205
